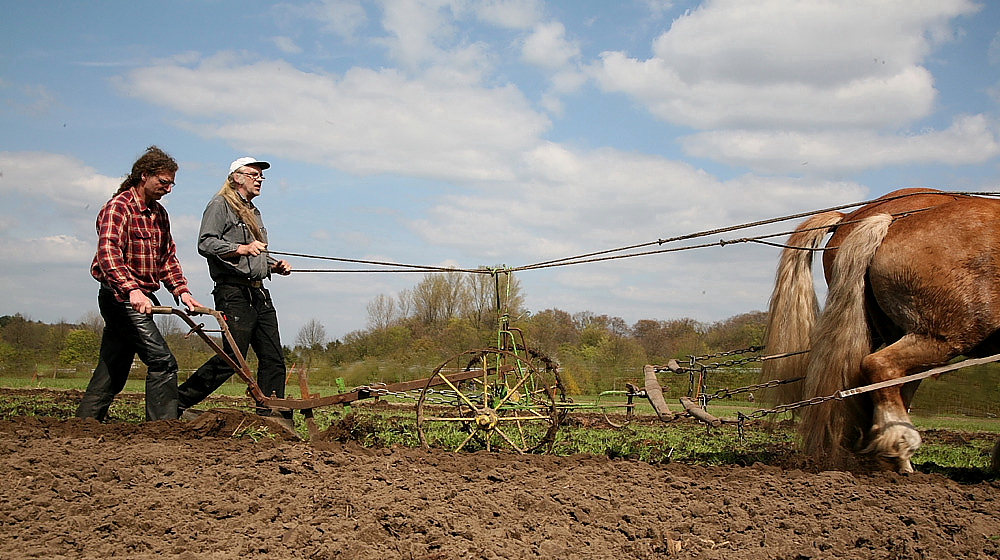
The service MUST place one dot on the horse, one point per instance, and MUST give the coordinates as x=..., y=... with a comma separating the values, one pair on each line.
x=913, y=281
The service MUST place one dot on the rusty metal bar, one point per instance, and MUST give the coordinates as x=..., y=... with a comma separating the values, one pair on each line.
x=367, y=392
x=699, y=413
x=239, y=365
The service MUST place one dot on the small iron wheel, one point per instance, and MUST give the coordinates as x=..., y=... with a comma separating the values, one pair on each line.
x=489, y=399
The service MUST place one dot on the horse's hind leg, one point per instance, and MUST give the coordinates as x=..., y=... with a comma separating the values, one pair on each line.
x=893, y=438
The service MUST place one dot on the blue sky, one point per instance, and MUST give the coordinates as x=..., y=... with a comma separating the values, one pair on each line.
x=485, y=132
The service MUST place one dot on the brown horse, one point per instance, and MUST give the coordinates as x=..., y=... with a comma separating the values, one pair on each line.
x=914, y=281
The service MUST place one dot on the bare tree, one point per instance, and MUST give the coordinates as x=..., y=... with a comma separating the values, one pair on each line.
x=312, y=336
x=405, y=303
x=311, y=339
x=381, y=312
x=168, y=325
x=481, y=307
x=438, y=297
x=93, y=322
x=485, y=291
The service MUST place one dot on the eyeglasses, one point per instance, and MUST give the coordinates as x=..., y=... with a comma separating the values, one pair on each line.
x=253, y=176
x=165, y=182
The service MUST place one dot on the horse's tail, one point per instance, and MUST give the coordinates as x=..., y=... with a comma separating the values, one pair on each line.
x=841, y=338
x=794, y=307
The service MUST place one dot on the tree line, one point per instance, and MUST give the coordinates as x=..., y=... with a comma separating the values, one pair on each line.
x=408, y=334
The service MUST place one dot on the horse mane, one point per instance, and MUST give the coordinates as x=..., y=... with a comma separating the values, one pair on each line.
x=793, y=307
x=841, y=339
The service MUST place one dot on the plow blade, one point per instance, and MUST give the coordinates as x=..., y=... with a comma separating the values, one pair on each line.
x=692, y=408
x=655, y=394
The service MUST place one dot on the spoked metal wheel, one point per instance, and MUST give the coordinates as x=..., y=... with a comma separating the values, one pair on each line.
x=489, y=399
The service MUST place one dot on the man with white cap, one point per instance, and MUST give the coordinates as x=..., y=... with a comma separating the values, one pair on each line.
x=234, y=240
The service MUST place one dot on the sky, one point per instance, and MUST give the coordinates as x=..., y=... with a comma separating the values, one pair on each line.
x=467, y=133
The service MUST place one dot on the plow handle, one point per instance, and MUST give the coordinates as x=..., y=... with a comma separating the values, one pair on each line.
x=239, y=365
x=167, y=310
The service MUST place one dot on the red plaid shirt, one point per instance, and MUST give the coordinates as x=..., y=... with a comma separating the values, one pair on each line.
x=135, y=249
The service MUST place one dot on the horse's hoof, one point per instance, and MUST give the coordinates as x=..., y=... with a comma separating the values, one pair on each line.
x=894, y=445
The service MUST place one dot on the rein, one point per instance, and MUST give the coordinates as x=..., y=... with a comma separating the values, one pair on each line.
x=605, y=255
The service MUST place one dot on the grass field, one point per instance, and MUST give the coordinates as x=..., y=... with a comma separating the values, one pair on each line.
x=951, y=444
x=234, y=388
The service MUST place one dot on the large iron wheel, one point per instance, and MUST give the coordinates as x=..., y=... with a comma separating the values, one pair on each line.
x=490, y=399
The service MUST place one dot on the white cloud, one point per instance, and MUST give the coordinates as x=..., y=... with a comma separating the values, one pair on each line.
x=869, y=101
x=58, y=250
x=417, y=30
x=357, y=239
x=567, y=202
x=993, y=54
x=54, y=177
x=343, y=17
x=512, y=14
x=50, y=202
x=286, y=45
x=548, y=47
x=30, y=99
x=969, y=140
x=47, y=277
x=658, y=7
x=184, y=229
x=576, y=278
x=365, y=122
x=737, y=63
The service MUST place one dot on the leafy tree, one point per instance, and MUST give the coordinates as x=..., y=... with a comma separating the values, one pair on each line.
x=663, y=340
x=738, y=331
x=8, y=356
x=292, y=356
x=81, y=346
x=550, y=330
x=459, y=335
x=438, y=297
x=24, y=333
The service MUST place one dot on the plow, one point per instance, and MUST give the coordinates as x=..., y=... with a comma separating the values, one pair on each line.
x=510, y=398
x=503, y=398
x=500, y=398
x=507, y=397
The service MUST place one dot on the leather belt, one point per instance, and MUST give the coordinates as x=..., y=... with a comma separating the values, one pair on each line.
x=241, y=282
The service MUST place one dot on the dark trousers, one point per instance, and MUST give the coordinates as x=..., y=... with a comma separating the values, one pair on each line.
x=127, y=333
x=253, y=322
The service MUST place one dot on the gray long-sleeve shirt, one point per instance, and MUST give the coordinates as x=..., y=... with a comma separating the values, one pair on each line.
x=222, y=232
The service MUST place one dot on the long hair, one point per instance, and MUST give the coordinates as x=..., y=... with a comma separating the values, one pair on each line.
x=240, y=206
x=794, y=307
x=152, y=162
x=841, y=339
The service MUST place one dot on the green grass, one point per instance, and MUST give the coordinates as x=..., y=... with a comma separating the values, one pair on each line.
x=952, y=445
x=964, y=423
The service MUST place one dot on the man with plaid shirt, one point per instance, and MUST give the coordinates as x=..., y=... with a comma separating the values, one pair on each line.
x=135, y=253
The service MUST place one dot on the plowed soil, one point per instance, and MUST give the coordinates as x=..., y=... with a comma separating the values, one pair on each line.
x=189, y=490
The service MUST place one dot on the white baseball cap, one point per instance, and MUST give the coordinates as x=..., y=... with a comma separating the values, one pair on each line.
x=248, y=161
